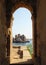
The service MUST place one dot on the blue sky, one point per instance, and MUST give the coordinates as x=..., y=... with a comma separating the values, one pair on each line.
x=22, y=23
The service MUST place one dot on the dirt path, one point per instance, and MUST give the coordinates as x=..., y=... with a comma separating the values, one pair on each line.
x=15, y=57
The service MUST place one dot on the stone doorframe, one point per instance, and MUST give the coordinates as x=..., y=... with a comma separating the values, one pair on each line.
x=29, y=7
x=32, y=9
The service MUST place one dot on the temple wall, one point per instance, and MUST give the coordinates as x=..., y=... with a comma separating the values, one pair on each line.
x=41, y=31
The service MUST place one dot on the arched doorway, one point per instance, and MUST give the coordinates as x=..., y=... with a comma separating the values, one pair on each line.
x=22, y=29
x=22, y=4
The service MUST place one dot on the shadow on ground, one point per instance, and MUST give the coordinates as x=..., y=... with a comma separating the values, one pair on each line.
x=29, y=61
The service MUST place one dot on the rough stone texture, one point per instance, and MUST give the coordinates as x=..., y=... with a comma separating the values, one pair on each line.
x=3, y=38
x=41, y=31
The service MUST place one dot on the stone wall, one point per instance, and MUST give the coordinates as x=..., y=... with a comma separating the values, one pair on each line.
x=41, y=31
x=3, y=34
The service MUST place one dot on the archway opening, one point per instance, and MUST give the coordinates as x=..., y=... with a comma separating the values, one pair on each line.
x=22, y=36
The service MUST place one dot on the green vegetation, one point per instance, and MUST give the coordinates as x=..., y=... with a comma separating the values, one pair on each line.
x=30, y=48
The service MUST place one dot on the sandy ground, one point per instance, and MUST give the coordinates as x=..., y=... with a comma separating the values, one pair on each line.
x=15, y=57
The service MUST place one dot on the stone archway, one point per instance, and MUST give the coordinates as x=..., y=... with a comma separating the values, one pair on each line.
x=21, y=4
x=29, y=6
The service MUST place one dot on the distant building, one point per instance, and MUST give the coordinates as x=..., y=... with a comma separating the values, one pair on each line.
x=19, y=38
